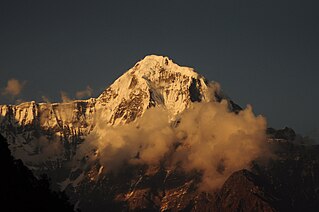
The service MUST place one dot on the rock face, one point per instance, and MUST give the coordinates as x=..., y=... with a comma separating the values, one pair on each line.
x=245, y=191
x=77, y=116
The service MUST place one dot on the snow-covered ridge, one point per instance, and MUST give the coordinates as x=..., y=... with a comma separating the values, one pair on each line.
x=76, y=114
x=32, y=129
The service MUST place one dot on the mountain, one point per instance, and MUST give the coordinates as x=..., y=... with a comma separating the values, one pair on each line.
x=162, y=138
x=46, y=136
x=154, y=81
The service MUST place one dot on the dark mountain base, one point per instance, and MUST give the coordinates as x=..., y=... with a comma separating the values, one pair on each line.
x=21, y=191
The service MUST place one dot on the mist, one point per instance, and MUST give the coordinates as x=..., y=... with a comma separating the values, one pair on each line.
x=206, y=137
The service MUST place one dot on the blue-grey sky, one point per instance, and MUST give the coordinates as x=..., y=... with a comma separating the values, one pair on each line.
x=265, y=53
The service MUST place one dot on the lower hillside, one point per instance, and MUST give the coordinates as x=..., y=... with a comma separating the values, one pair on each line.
x=21, y=191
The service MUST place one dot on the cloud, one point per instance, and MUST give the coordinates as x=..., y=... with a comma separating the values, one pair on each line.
x=13, y=88
x=209, y=138
x=84, y=93
x=219, y=142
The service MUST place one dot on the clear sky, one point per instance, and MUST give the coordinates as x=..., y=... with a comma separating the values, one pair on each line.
x=263, y=52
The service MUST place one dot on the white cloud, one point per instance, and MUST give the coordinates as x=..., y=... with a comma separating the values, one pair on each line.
x=209, y=138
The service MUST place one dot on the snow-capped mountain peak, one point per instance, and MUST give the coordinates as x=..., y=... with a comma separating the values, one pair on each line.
x=154, y=81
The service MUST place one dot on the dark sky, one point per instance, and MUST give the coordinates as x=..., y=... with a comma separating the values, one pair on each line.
x=263, y=52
